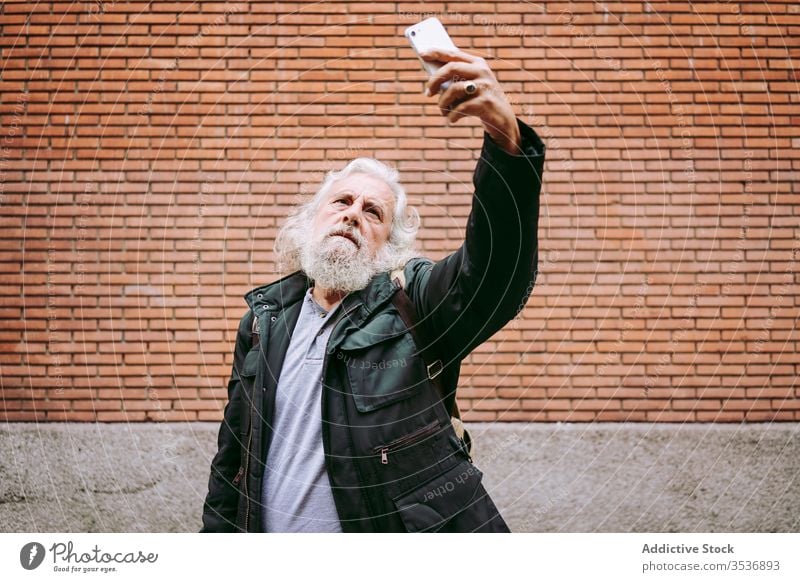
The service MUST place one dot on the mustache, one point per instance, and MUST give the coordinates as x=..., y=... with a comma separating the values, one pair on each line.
x=351, y=234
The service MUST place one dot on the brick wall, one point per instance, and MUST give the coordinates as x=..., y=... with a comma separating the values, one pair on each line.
x=149, y=153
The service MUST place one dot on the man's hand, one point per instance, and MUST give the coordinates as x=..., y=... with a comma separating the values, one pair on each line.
x=488, y=102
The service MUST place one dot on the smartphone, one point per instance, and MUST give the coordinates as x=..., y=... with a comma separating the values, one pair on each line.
x=426, y=35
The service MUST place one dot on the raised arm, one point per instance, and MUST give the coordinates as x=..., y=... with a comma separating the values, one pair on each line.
x=469, y=295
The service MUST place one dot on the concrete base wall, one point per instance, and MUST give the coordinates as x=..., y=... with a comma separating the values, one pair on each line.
x=608, y=477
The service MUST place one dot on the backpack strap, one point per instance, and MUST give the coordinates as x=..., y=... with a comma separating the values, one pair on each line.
x=408, y=314
x=434, y=365
x=255, y=337
x=399, y=277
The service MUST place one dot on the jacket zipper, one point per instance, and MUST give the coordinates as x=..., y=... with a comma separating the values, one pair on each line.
x=405, y=440
x=238, y=476
x=247, y=457
x=244, y=475
x=325, y=441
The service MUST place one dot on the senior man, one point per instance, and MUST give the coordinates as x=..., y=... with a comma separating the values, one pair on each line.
x=345, y=371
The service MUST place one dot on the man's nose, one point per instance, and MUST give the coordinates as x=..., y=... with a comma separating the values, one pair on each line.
x=352, y=214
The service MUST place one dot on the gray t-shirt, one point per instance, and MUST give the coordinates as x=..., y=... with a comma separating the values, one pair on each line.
x=296, y=490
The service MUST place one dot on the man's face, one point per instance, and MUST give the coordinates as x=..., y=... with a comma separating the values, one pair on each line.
x=361, y=205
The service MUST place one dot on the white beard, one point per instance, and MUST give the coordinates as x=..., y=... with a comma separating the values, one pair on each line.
x=335, y=263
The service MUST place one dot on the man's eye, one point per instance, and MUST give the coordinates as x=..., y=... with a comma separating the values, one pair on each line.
x=375, y=212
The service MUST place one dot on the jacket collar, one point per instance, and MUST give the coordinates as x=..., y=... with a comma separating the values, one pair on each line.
x=292, y=288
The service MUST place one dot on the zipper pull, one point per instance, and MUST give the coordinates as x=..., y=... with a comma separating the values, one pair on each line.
x=384, y=457
x=238, y=476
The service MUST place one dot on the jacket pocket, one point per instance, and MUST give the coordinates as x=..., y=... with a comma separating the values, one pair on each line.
x=405, y=441
x=435, y=505
x=383, y=365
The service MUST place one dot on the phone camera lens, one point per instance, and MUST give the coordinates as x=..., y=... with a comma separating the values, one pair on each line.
x=413, y=33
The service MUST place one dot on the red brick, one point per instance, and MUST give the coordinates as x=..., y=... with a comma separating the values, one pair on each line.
x=616, y=103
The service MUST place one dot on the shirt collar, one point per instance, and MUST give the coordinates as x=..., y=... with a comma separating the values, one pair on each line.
x=317, y=309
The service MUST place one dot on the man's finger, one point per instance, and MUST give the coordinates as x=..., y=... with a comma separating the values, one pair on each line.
x=469, y=107
x=457, y=71
x=447, y=55
x=454, y=96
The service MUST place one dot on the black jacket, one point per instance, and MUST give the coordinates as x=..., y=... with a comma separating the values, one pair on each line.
x=393, y=459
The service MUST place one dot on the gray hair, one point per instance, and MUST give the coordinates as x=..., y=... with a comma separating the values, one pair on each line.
x=405, y=221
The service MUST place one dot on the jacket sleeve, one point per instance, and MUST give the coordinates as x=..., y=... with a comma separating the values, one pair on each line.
x=472, y=293
x=220, y=507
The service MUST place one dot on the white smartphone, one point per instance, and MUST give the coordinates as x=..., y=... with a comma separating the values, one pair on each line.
x=426, y=35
